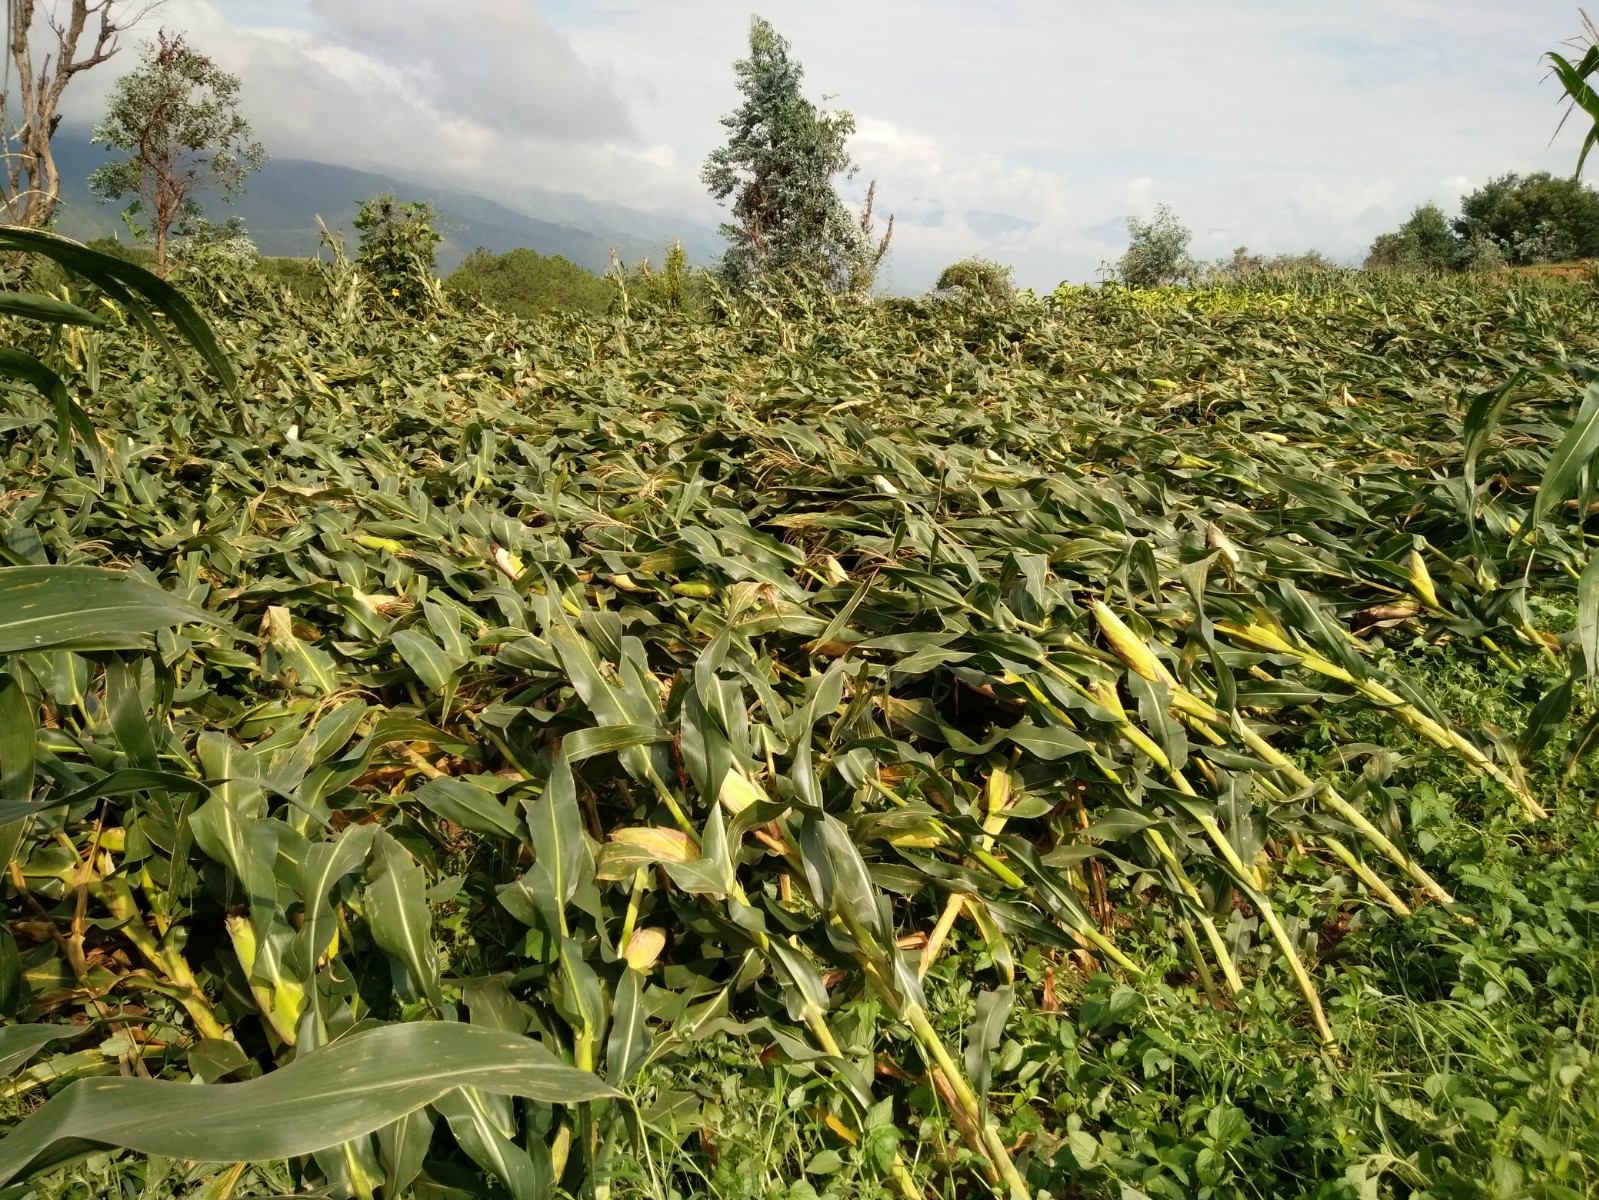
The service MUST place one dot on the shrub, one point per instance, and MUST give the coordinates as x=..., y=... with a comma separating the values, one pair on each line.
x=1423, y=243
x=1533, y=219
x=976, y=278
x=523, y=282
x=399, y=250
x=1157, y=254
x=198, y=241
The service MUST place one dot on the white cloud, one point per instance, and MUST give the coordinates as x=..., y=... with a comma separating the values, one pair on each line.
x=1024, y=129
x=486, y=95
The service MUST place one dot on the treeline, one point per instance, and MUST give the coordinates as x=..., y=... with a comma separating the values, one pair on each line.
x=1514, y=220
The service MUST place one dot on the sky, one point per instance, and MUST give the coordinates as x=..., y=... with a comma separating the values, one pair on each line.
x=1026, y=131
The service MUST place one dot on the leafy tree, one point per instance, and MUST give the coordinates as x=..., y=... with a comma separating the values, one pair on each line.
x=777, y=167
x=1157, y=253
x=176, y=116
x=1534, y=218
x=524, y=282
x=398, y=250
x=32, y=184
x=1423, y=243
x=976, y=279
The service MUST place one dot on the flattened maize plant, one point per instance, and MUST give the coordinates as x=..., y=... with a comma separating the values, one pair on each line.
x=417, y=735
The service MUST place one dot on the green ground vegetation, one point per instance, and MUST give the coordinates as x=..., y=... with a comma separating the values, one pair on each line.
x=525, y=283
x=1126, y=743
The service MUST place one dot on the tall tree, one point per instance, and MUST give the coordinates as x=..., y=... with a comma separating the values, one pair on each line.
x=778, y=165
x=61, y=32
x=1422, y=243
x=1533, y=218
x=176, y=116
x=1157, y=251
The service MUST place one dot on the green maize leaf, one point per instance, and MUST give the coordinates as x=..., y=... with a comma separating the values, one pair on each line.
x=46, y=308
x=13, y=985
x=350, y=1088
x=70, y=418
x=19, y=1043
x=325, y=864
x=488, y=1146
x=1573, y=80
x=561, y=858
x=118, y=783
x=424, y=656
x=85, y=608
x=469, y=806
x=712, y=872
x=130, y=285
x=127, y=714
x=983, y=1037
x=402, y=1149
x=398, y=913
x=1481, y=418
x=19, y=749
x=608, y=739
x=1568, y=460
x=628, y=1046
x=1545, y=720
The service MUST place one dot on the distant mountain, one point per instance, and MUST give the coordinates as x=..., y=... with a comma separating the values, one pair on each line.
x=285, y=197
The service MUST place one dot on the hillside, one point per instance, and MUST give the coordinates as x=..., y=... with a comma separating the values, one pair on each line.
x=285, y=198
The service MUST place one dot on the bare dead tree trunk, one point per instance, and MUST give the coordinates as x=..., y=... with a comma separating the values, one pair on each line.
x=862, y=278
x=32, y=182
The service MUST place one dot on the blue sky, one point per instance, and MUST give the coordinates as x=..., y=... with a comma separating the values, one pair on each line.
x=1026, y=130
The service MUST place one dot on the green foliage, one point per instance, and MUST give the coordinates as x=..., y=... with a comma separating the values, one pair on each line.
x=524, y=283
x=1424, y=242
x=1244, y=264
x=1573, y=79
x=777, y=167
x=299, y=275
x=199, y=245
x=1533, y=219
x=976, y=279
x=398, y=251
x=116, y=248
x=1515, y=220
x=176, y=117
x=631, y=686
x=1157, y=252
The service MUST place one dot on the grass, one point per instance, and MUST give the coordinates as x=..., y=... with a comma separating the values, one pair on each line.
x=645, y=686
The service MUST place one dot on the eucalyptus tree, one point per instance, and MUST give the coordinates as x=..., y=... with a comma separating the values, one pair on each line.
x=176, y=117
x=778, y=166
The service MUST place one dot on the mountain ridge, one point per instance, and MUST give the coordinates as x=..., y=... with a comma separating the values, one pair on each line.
x=282, y=201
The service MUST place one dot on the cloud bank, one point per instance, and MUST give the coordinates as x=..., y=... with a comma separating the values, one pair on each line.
x=1025, y=130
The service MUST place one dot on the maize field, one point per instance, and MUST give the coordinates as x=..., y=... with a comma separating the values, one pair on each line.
x=438, y=759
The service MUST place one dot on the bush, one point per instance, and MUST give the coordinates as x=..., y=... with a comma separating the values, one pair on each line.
x=299, y=275
x=144, y=256
x=523, y=282
x=976, y=278
x=1423, y=243
x=1245, y=264
x=399, y=251
x=198, y=243
x=1533, y=219
x=676, y=287
x=1157, y=255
